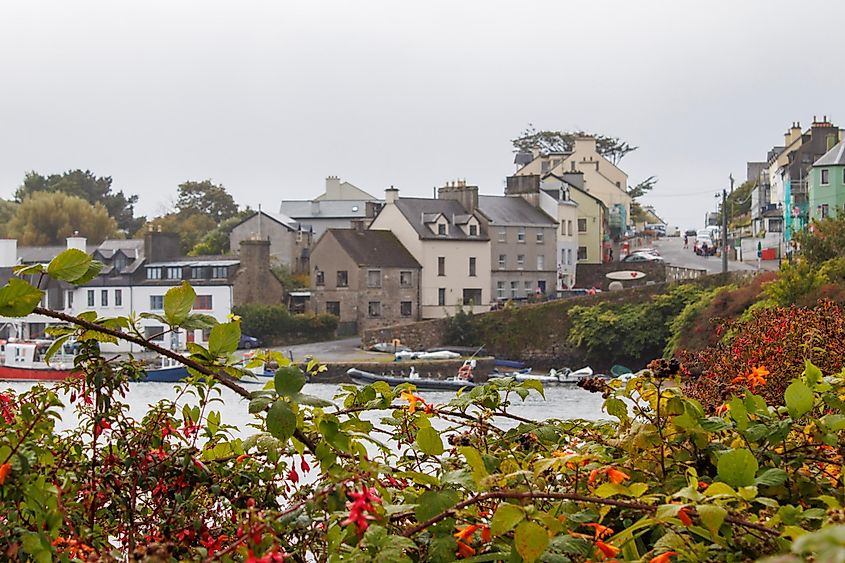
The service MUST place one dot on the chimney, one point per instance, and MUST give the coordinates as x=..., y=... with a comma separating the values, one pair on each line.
x=793, y=134
x=359, y=225
x=254, y=282
x=458, y=191
x=371, y=209
x=77, y=242
x=333, y=187
x=584, y=144
x=391, y=194
x=315, y=207
x=8, y=252
x=161, y=247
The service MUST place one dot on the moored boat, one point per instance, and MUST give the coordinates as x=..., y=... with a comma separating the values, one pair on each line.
x=24, y=361
x=554, y=377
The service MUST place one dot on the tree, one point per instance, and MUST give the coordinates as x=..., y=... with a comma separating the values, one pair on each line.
x=46, y=218
x=612, y=148
x=643, y=187
x=87, y=186
x=191, y=227
x=7, y=211
x=207, y=199
x=216, y=241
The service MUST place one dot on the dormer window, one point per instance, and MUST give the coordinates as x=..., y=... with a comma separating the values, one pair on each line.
x=473, y=230
x=441, y=229
x=154, y=273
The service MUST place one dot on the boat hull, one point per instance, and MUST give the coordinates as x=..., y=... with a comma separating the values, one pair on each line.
x=12, y=373
x=366, y=378
x=544, y=379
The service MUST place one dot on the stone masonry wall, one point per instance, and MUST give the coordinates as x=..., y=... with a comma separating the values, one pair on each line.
x=595, y=275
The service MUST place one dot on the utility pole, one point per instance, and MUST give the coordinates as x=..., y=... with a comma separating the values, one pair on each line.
x=724, y=231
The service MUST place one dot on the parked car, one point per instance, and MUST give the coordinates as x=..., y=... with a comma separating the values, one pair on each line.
x=641, y=257
x=690, y=232
x=248, y=342
x=652, y=251
x=702, y=243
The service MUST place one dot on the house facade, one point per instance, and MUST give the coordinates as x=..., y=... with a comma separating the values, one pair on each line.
x=827, y=184
x=336, y=208
x=451, y=244
x=591, y=227
x=290, y=242
x=523, y=247
x=366, y=278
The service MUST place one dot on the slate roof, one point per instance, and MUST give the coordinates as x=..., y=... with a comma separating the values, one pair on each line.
x=374, y=248
x=43, y=254
x=328, y=209
x=129, y=247
x=512, y=210
x=415, y=210
x=279, y=218
x=833, y=157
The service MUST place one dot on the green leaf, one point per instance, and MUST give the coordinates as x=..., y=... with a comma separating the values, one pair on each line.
x=771, y=477
x=476, y=463
x=429, y=442
x=289, y=381
x=616, y=407
x=281, y=422
x=718, y=488
x=737, y=467
x=55, y=347
x=432, y=503
x=738, y=413
x=506, y=517
x=93, y=271
x=310, y=400
x=18, y=298
x=530, y=540
x=812, y=374
x=197, y=321
x=712, y=516
x=798, y=398
x=259, y=404
x=535, y=385
x=178, y=302
x=70, y=265
x=28, y=269
x=224, y=338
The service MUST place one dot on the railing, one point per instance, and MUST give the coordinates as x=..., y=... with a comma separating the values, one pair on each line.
x=679, y=273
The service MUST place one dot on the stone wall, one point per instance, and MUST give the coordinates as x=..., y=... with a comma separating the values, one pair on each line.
x=595, y=275
x=417, y=336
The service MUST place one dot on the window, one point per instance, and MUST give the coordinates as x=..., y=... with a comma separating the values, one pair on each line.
x=333, y=308
x=197, y=272
x=500, y=290
x=441, y=229
x=441, y=296
x=502, y=261
x=514, y=289
x=582, y=224
x=70, y=299
x=503, y=235
x=520, y=235
x=373, y=278
x=220, y=272
x=569, y=256
x=582, y=253
x=441, y=265
x=104, y=297
x=473, y=230
x=320, y=278
x=472, y=266
x=174, y=273
x=374, y=308
x=569, y=225
x=342, y=278
x=472, y=297
x=154, y=333
x=825, y=176
x=541, y=262
x=90, y=297
x=118, y=298
x=520, y=261
x=540, y=236
x=203, y=303
x=406, y=279
x=153, y=274
x=563, y=228
x=529, y=288
x=405, y=308
x=156, y=302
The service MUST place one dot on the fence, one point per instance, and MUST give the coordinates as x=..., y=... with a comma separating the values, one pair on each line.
x=679, y=273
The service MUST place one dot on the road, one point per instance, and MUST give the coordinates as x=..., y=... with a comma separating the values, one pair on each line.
x=344, y=349
x=672, y=250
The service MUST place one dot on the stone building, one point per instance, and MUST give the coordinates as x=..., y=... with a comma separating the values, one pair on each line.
x=336, y=208
x=290, y=242
x=366, y=278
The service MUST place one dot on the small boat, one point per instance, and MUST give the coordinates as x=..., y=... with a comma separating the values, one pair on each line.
x=172, y=371
x=618, y=370
x=554, y=377
x=24, y=361
x=515, y=364
x=439, y=355
x=388, y=347
x=462, y=350
x=362, y=377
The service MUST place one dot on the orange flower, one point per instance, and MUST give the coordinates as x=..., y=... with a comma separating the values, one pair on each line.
x=616, y=476
x=607, y=549
x=722, y=409
x=466, y=532
x=601, y=531
x=663, y=557
x=5, y=469
x=593, y=474
x=241, y=458
x=485, y=534
x=756, y=378
x=684, y=516
x=465, y=550
x=559, y=453
x=412, y=401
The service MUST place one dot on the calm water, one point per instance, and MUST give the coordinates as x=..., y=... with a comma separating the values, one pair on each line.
x=560, y=402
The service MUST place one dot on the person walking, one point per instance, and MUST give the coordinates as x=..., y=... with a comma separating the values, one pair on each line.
x=686, y=241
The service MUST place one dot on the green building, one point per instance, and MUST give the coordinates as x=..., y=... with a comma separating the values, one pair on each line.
x=827, y=184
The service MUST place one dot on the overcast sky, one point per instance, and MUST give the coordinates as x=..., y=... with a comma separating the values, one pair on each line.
x=268, y=98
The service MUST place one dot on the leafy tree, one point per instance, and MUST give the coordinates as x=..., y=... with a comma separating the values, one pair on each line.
x=87, y=186
x=7, y=211
x=216, y=241
x=643, y=187
x=612, y=148
x=46, y=218
x=205, y=198
x=825, y=239
x=191, y=227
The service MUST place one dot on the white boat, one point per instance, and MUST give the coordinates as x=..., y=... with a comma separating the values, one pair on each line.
x=439, y=355
x=554, y=377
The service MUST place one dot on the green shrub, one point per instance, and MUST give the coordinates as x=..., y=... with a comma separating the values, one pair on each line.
x=274, y=324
